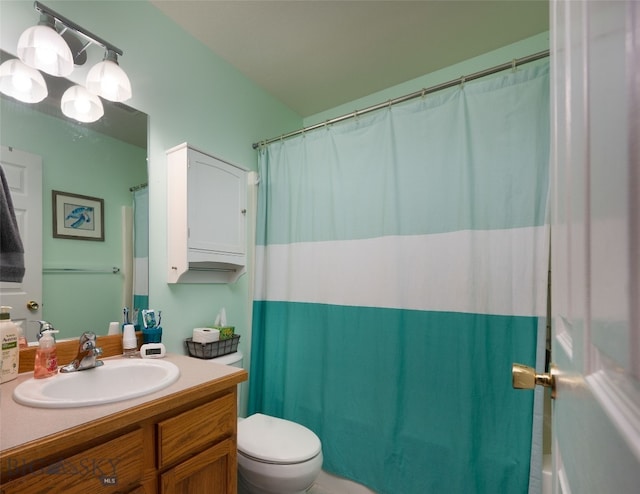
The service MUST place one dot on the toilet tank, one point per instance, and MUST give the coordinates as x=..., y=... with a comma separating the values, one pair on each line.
x=235, y=360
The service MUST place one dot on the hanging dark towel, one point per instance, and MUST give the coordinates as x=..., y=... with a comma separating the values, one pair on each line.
x=11, y=249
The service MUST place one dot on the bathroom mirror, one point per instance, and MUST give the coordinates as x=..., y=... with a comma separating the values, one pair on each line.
x=102, y=160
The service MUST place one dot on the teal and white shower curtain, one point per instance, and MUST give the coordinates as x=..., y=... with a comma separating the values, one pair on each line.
x=401, y=268
x=140, y=251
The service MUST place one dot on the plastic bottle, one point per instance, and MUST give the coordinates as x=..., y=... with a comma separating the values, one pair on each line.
x=9, y=333
x=46, y=362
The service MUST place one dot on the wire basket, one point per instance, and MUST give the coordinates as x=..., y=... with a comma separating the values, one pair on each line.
x=213, y=349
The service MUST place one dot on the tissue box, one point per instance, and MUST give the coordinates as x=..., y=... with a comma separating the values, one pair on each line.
x=226, y=332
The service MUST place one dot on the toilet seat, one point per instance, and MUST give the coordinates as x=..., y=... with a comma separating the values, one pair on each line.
x=276, y=441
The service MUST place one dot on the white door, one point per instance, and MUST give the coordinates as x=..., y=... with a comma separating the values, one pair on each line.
x=595, y=56
x=24, y=175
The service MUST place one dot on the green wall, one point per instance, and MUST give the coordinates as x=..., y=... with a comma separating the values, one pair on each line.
x=190, y=94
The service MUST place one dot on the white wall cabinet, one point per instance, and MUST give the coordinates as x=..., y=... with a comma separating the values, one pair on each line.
x=207, y=217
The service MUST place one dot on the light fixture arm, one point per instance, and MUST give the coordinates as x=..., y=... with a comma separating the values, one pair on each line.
x=92, y=38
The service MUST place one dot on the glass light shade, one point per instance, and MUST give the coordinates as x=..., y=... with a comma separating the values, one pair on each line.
x=22, y=82
x=81, y=105
x=43, y=48
x=108, y=80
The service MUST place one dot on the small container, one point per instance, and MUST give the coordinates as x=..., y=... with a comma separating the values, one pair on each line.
x=46, y=361
x=152, y=335
x=129, y=341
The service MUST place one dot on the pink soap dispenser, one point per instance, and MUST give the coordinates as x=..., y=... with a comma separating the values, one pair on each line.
x=46, y=362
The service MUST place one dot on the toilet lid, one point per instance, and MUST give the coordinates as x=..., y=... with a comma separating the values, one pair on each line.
x=275, y=440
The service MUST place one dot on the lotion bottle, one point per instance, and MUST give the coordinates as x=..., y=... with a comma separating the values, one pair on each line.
x=9, y=333
x=46, y=363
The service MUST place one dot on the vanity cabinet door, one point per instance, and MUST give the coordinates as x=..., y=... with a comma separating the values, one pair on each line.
x=216, y=205
x=112, y=467
x=213, y=471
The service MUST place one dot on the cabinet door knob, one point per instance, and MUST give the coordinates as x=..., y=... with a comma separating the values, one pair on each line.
x=244, y=211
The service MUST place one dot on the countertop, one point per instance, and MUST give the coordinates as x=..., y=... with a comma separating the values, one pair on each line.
x=22, y=424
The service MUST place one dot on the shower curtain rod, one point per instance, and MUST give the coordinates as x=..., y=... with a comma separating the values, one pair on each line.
x=438, y=87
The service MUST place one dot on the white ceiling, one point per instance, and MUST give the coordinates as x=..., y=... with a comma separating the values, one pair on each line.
x=314, y=55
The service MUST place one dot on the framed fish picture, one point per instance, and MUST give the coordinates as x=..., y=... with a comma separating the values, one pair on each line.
x=77, y=217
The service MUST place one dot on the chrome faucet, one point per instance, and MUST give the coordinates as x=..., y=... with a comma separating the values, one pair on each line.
x=87, y=355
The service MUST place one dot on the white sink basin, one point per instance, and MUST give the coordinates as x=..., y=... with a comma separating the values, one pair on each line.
x=116, y=380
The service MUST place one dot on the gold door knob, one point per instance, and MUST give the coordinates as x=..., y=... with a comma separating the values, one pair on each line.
x=32, y=305
x=525, y=377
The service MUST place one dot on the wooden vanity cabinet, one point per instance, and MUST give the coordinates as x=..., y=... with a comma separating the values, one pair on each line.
x=183, y=443
x=195, y=442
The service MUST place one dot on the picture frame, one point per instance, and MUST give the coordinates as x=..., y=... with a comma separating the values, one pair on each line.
x=77, y=217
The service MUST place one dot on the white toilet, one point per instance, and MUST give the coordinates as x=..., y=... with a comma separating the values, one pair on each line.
x=275, y=456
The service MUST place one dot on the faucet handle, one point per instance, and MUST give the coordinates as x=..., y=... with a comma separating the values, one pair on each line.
x=87, y=340
x=44, y=326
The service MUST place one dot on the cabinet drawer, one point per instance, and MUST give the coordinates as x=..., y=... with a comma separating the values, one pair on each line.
x=190, y=432
x=115, y=466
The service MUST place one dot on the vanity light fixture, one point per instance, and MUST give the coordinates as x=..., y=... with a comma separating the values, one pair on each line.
x=22, y=82
x=108, y=80
x=43, y=48
x=54, y=46
x=81, y=104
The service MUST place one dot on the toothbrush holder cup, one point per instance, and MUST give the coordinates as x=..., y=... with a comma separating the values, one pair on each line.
x=152, y=335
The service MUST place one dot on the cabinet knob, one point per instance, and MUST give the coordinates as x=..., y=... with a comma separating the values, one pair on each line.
x=244, y=211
